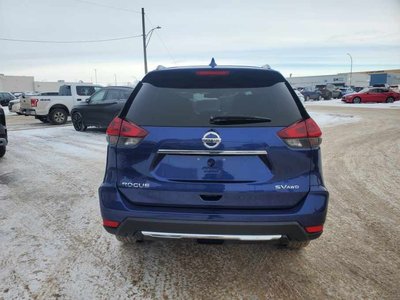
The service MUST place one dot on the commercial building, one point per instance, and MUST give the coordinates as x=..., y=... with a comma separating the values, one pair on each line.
x=27, y=84
x=355, y=79
x=16, y=83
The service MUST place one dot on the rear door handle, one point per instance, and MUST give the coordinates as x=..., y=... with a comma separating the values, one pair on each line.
x=78, y=99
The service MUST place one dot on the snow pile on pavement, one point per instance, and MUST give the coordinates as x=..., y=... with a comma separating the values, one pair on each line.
x=332, y=119
x=339, y=103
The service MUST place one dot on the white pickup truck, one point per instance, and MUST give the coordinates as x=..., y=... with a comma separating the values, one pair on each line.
x=56, y=109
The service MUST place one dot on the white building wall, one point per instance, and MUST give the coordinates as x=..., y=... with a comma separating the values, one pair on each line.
x=43, y=86
x=16, y=83
x=357, y=80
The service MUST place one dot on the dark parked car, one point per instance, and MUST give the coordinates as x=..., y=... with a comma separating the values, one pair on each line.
x=225, y=153
x=331, y=91
x=101, y=108
x=311, y=94
x=5, y=98
x=3, y=133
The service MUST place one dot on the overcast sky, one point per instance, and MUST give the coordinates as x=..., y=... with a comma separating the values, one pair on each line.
x=299, y=37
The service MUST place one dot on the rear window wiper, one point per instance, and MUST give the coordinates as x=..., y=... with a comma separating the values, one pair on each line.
x=237, y=120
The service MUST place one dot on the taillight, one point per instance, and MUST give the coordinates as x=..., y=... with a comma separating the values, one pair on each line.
x=124, y=132
x=34, y=102
x=302, y=134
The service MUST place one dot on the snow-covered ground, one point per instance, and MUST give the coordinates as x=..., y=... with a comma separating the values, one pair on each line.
x=333, y=119
x=339, y=103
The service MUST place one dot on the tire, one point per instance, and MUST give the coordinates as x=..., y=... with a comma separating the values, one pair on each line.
x=43, y=119
x=129, y=239
x=2, y=151
x=58, y=116
x=390, y=100
x=357, y=100
x=328, y=96
x=78, y=122
x=297, y=245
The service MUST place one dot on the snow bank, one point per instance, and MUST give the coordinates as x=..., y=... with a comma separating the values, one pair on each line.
x=339, y=103
x=332, y=119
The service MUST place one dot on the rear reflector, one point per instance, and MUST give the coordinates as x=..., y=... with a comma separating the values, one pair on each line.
x=314, y=229
x=302, y=134
x=212, y=73
x=124, y=132
x=109, y=223
x=34, y=102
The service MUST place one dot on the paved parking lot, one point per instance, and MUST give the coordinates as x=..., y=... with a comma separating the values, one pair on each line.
x=52, y=244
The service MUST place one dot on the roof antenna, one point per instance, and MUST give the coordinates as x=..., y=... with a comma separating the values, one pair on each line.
x=213, y=64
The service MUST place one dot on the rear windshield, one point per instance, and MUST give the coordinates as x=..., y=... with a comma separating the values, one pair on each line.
x=193, y=107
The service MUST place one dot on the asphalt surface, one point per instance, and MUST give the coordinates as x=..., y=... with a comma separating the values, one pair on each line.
x=53, y=246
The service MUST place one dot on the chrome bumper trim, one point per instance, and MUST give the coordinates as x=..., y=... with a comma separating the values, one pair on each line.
x=211, y=152
x=174, y=235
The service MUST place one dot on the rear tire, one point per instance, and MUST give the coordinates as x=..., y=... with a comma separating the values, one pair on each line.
x=357, y=100
x=129, y=239
x=2, y=151
x=297, y=245
x=58, y=116
x=389, y=100
x=78, y=122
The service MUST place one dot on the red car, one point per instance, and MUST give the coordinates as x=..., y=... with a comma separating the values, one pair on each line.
x=372, y=95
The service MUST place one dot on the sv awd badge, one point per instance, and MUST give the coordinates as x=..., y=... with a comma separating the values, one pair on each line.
x=287, y=187
x=135, y=185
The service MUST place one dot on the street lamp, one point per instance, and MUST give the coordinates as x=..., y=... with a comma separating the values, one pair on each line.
x=351, y=67
x=146, y=40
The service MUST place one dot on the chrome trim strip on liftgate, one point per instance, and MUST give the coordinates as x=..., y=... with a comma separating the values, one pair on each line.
x=211, y=152
x=240, y=237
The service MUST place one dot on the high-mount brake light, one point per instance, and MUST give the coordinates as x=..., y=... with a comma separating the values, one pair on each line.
x=34, y=102
x=302, y=134
x=212, y=73
x=124, y=132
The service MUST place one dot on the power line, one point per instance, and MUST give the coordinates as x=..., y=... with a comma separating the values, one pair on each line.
x=70, y=42
x=108, y=6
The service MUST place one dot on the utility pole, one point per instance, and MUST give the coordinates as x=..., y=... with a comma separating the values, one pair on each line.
x=95, y=75
x=144, y=42
x=115, y=79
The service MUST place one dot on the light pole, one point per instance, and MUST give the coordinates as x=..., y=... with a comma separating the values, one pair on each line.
x=351, y=67
x=146, y=43
x=146, y=40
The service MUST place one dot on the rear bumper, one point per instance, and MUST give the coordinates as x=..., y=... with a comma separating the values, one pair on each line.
x=28, y=112
x=289, y=224
x=212, y=229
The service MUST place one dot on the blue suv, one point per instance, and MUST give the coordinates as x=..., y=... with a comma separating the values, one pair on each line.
x=225, y=153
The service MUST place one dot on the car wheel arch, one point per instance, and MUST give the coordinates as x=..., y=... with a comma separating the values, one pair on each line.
x=60, y=106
